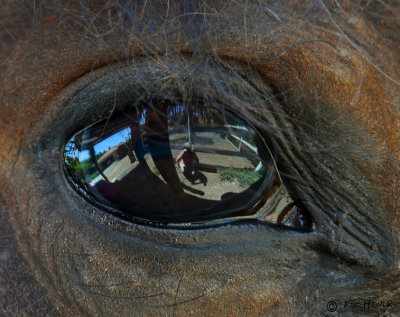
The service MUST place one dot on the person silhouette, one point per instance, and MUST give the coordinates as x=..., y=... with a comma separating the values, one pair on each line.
x=188, y=161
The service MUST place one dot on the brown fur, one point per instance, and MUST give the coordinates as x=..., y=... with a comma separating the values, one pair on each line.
x=321, y=78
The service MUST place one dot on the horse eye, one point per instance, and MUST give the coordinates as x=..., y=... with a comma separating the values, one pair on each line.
x=179, y=164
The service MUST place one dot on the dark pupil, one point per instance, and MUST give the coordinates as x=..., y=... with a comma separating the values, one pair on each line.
x=171, y=163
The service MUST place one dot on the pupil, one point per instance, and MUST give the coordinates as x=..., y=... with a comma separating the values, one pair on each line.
x=171, y=163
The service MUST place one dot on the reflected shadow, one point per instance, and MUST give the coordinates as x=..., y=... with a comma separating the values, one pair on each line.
x=194, y=176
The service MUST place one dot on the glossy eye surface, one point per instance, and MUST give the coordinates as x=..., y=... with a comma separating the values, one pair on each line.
x=179, y=164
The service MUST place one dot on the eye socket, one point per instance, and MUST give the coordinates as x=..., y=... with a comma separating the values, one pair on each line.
x=179, y=164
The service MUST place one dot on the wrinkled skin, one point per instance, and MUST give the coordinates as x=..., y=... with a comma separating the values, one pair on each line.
x=320, y=78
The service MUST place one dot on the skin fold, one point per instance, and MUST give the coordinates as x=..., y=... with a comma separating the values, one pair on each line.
x=318, y=79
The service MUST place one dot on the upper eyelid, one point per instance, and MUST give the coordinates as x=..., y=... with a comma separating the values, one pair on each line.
x=111, y=84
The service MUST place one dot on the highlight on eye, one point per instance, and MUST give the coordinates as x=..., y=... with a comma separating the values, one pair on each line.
x=181, y=164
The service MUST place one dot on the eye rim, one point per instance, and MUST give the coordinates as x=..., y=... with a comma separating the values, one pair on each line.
x=215, y=219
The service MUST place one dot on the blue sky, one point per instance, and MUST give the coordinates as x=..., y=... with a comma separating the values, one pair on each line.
x=106, y=144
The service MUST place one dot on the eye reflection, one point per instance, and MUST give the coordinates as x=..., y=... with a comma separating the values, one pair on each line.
x=179, y=164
